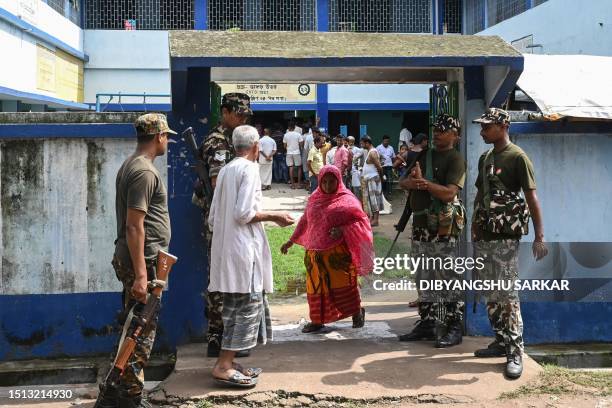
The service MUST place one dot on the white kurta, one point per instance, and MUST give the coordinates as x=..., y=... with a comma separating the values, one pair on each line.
x=241, y=261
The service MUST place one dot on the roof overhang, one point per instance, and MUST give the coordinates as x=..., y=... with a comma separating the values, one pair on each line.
x=314, y=57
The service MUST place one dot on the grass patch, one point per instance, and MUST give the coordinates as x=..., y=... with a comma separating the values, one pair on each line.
x=555, y=380
x=289, y=271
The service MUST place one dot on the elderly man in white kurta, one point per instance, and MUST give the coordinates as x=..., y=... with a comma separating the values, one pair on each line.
x=241, y=262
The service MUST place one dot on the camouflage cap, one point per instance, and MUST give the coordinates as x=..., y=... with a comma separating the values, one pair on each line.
x=152, y=124
x=494, y=115
x=445, y=122
x=239, y=102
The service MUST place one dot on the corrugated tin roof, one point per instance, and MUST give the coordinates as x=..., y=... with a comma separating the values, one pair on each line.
x=300, y=44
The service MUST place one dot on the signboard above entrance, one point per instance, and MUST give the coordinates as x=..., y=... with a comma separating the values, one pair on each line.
x=274, y=93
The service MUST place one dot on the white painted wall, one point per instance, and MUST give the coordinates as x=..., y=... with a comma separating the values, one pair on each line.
x=127, y=62
x=562, y=27
x=378, y=93
x=19, y=71
x=46, y=19
x=18, y=48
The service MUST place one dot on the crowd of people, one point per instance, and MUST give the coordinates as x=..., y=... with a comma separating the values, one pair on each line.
x=335, y=230
x=295, y=156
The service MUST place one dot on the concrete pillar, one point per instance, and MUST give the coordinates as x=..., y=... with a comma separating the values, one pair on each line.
x=323, y=26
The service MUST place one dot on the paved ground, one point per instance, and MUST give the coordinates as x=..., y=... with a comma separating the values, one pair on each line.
x=356, y=364
x=349, y=367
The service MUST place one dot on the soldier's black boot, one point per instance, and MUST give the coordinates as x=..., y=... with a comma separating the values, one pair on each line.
x=453, y=336
x=514, y=366
x=108, y=397
x=214, y=345
x=495, y=349
x=424, y=330
x=132, y=401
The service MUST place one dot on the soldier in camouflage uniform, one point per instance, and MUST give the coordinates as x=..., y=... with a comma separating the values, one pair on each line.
x=501, y=217
x=142, y=216
x=217, y=150
x=431, y=196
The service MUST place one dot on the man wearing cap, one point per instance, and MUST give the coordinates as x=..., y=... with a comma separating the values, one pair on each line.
x=143, y=228
x=435, y=181
x=503, y=172
x=217, y=150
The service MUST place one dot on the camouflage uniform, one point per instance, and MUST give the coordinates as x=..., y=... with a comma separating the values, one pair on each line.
x=501, y=263
x=217, y=150
x=442, y=306
x=503, y=307
x=437, y=305
x=131, y=382
x=132, y=378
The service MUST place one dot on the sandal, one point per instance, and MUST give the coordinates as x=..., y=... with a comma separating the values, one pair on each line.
x=252, y=372
x=359, y=319
x=237, y=380
x=312, y=327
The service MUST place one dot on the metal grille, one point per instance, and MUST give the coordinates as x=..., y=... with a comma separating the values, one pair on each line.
x=453, y=16
x=262, y=15
x=474, y=16
x=500, y=10
x=139, y=14
x=57, y=5
x=399, y=16
x=71, y=12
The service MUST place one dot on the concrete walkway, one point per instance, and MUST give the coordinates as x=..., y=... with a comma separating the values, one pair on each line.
x=350, y=363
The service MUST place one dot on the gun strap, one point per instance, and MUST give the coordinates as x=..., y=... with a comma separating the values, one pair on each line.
x=486, y=188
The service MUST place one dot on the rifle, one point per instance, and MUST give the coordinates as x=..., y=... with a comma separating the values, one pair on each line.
x=201, y=167
x=401, y=225
x=139, y=325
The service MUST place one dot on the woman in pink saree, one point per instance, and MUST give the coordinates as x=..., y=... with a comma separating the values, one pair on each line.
x=337, y=236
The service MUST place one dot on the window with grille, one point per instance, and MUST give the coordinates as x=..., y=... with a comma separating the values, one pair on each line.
x=262, y=15
x=500, y=10
x=67, y=8
x=474, y=16
x=399, y=16
x=453, y=16
x=139, y=14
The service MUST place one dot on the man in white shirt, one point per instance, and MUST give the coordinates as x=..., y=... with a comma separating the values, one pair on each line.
x=355, y=167
x=405, y=136
x=308, y=143
x=267, y=150
x=387, y=154
x=294, y=142
x=241, y=262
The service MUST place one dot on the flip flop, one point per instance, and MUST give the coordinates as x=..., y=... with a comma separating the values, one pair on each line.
x=252, y=372
x=237, y=380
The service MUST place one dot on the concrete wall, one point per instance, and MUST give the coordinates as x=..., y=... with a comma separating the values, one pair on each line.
x=42, y=16
x=574, y=186
x=378, y=93
x=19, y=66
x=58, y=214
x=562, y=27
x=127, y=62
